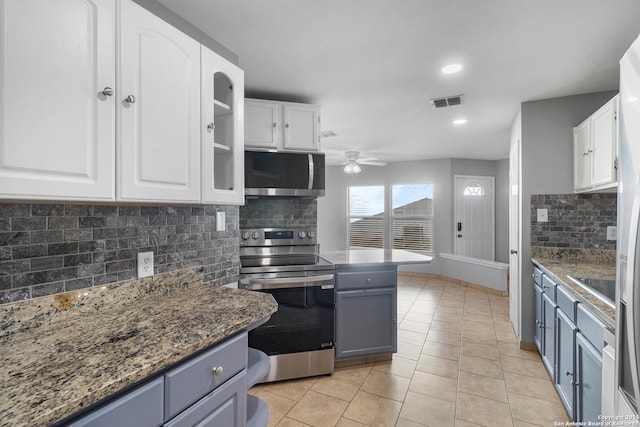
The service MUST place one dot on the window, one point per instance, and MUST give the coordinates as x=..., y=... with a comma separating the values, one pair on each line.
x=402, y=220
x=366, y=217
x=474, y=190
x=412, y=217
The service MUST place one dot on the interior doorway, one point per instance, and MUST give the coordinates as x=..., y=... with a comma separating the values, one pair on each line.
x=474, y=215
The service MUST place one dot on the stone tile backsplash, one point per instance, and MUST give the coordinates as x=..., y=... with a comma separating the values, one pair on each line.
x=51, y=248
x=279, y=212
x=576, y=221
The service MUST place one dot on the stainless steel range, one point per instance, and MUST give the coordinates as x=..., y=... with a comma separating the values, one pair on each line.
x=299, y=337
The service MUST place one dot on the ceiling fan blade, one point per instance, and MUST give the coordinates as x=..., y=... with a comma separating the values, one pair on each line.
x=368, y=159
x=362, y=162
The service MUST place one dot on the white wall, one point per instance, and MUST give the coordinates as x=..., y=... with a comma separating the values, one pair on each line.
x=547, y=168
x=332, y=209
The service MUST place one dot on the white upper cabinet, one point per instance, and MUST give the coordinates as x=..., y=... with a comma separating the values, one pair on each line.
x=158, y=110
x=261, y=126
x=57, y=99
x=581, y=155
x=282, y=125
x=301, y=127
x=595, y=142
x=222, y=130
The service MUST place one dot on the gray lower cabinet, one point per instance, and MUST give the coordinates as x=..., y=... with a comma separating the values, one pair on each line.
x=208, y=390
x=139, y=408
x=589, y=380
x=226, y=406
x=565, y=360
x=537, y=336
x=366, y=311
x=571, y=342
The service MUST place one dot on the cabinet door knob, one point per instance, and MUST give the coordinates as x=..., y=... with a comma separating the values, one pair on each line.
x=567, y=373
x=368, y=279
x=275, y=124
x=217, y=371
x=286, y=125
x=107, y=91
x=130, y=99
x=211, y=127
x=513, y=252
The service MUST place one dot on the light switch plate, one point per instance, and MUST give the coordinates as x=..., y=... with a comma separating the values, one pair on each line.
x=612, y=232
x=220, y=221
x=543, y=215
x=145, y=264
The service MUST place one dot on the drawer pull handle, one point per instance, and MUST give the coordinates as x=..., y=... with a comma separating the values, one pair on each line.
x=368, y=279
x=217, y=371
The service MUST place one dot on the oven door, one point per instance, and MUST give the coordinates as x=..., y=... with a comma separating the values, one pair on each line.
x=305, y=317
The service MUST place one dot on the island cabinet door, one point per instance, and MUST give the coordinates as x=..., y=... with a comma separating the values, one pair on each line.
x=366, y=322
x=141, y=407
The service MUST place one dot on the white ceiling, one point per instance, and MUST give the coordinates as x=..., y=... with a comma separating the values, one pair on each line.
x=373, y=65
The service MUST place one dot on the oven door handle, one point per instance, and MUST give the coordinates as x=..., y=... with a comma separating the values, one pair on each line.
x=285, y=282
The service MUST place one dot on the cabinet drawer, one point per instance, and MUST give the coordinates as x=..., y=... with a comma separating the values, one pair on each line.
x=195, y=378
x=225, y=406
x=590, y=326
x=140, y=407
x=549, y=287
x=537, y=276
x=566, y=303
x=365, y=279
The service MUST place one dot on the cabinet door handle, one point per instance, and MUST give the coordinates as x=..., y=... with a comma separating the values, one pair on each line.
x=130, y=99
x=211, y=127
x=513, y=252
x=107, y=91
x=286, y=125
x=275, y=125
x=217, y=371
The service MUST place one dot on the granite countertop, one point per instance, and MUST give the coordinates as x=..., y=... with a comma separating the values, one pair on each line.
x=374, y=257
x=65, y=352
x=598, y=265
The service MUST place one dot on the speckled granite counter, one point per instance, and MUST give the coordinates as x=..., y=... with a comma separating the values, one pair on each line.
x=63, y=353
x=598, y=264
x=374, y=257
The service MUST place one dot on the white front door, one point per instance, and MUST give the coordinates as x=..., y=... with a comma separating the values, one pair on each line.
x=474, y=216
x=514, y=235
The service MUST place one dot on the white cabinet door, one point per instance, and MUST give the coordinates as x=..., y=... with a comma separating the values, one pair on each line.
x=603, y=137
x=582, y=156
x=262, y=123
x=56, y=126
x=301, y=124
x=158, y=110
x=222, y=130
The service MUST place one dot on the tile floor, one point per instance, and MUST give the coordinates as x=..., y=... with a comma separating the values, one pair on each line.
x=458, y=364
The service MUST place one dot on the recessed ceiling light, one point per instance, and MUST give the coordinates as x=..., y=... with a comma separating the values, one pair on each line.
x=451, y=68
x=459, y=122
x=632, y=99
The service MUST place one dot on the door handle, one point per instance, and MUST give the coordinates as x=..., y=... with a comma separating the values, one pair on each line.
x=513, y=252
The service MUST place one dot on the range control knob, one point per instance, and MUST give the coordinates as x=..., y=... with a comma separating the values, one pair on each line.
x=246, y=235
x=255, y=235
x=302, y=234
x=311, y=234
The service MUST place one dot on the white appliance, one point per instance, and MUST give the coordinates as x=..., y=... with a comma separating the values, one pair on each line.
x=627, y=397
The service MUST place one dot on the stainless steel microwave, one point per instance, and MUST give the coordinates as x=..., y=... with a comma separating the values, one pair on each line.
x=283, y=173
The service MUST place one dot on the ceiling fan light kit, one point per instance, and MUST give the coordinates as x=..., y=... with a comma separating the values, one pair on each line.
x=352, y=165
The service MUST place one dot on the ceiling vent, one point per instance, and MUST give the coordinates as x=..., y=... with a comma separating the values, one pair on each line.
x=449, y=101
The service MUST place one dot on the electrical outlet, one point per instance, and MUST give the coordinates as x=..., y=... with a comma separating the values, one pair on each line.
x=220, y=221
x=145, y=264
x=543, y=215
x=612, y=232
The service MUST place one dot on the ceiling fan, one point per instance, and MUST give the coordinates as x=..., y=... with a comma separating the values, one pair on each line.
x=352, y=165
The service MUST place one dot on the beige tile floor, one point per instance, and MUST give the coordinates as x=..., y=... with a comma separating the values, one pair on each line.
x=458, y=364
